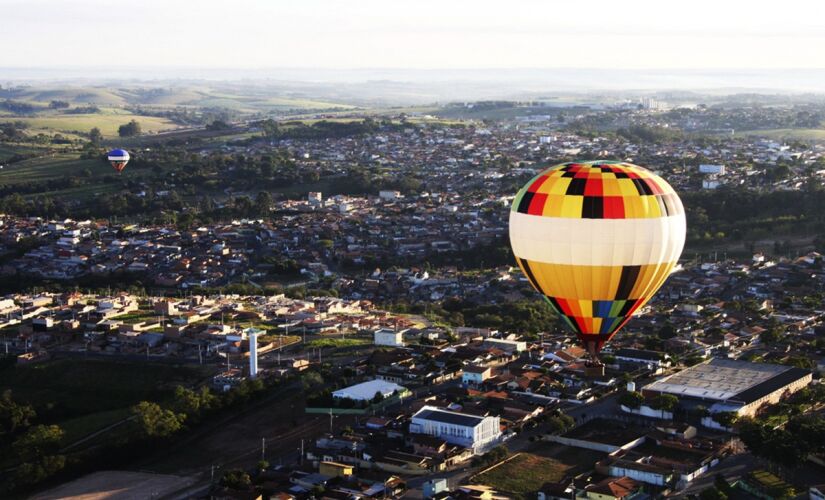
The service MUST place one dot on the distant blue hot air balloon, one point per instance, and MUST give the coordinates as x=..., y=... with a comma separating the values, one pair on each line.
x=119, y=158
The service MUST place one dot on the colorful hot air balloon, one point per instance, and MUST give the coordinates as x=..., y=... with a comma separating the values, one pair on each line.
x=119, y=158
x=597, y=239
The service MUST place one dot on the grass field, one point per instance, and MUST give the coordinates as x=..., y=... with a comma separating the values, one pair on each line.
x=77, y=428
x=337, y=343
x=48, y=167
x=524, y=474
x=8, y=150
x=108, y=123
x=527, y=472
x=791, y=134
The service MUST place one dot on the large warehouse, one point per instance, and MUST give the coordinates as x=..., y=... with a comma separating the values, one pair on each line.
x=366, y=391
x=469, y=431
x=728, y=385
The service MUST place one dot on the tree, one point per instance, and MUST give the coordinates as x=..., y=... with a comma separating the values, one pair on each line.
x=14, y=416
x=664, y=402
x=712, y=493
x=95, y=137
x=725, y=418
x=236, y=479
x=217, y=125
x=37, y=452
x=263, y=203
x=187, y=401
x=772, y=335
x=155, y=421
x=312, y=380
x=560, y=423
x=667, y=332
x=632, y=400
x=39, y=441
x=130, y=129
x=35, y=472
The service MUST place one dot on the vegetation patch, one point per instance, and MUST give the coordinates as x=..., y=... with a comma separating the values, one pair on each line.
x=523, y=474
x=337, y=343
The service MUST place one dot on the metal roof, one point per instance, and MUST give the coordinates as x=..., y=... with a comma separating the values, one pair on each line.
x=448, y=417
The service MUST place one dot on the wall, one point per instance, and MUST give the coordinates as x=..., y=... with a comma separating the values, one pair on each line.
x=647, y=411
x=591, y=445
x=641, y=476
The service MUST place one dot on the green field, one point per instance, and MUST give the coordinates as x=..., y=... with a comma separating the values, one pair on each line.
x=108, y=123
x=8, y=150
x=61, y=165
x=338, y=343
x=77, y=428
x=49, y=167
x=524, y=474
x=791, y=134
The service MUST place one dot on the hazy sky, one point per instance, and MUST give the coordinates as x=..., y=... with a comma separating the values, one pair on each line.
x=414, y=34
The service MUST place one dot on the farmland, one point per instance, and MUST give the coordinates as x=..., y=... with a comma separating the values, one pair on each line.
x=108, y=123
x=49, y=167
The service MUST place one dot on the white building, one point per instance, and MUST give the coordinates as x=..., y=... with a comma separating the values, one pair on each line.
x=470, y=431
x=712, y=169
x=389, y=195
x=388, y=337
x=366, y=391
x=315, y=198
x=508, y=346
x=7, y=306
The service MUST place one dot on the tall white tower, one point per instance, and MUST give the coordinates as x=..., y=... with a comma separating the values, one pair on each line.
x=252, y=334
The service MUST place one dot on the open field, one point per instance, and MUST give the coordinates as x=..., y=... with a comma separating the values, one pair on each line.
x=526, y=472
x=196, y=95
x=7, y=150
x=80, y=427
x=337, y=343
x=108, y=123
x=53, y=166
x=523, y=474
x=799, y=134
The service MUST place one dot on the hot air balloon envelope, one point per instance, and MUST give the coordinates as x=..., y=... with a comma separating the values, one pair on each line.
x=597, y=239
x=119, y=158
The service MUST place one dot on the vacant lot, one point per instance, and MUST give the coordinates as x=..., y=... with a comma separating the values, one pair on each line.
x=523, y=474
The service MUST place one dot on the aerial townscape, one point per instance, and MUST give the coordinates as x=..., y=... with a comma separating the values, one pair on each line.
x=348, y=283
